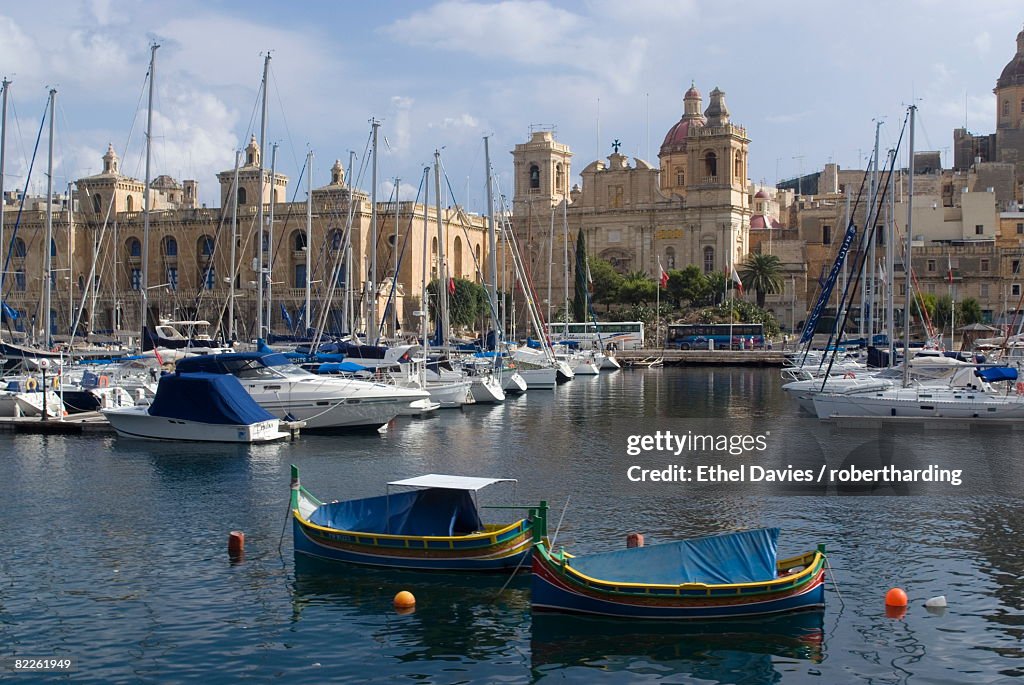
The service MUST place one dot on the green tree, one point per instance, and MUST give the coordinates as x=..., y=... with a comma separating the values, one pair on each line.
x=579, y=299
x=969, y=312
x=689, y=285
x=943, y=311
x=466, y=306
x=607, y=282
x=716, y=288
x=761, y=273
x=925, y=301
x=637, y=288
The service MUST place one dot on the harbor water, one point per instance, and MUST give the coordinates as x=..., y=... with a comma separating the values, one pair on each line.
x=115, y=551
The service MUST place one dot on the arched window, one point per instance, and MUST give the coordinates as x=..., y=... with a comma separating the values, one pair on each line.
x=266, y=241
x=206, y=246
x=680, y=176
x=299, y=241
x=709, y=259
x=170, y=246
x=670, y=257
x=457, y=257
x=737, y=171
x=534, y=177
x=53, y=247
x=710, y=164
x=241, y=196
x=335, y=239
x=81, y=282
x=134, y=247
x=97, y=204
x=19, y=248
x=558, y=177
x=129, y=204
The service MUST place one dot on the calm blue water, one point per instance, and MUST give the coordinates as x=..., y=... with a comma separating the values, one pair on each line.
x=114, y=551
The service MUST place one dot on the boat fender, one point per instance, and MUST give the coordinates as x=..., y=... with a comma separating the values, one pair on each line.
x=55, y=383
x=849, y=374
x=103, y=381
x=31, y=385
x=1020, y=387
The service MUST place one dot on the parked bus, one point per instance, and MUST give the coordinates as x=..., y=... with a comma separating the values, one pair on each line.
x=699, y=336
x=617, y=335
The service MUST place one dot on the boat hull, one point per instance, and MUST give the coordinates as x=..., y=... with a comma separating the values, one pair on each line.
x=513, y=383
x=554, y=589
x=507, y=550
x=136, y=422
x=487, y=390
x=542, y=378
x=909, y=402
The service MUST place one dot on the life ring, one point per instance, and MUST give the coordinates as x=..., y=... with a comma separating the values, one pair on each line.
x=31, y=385
x=103, y=381
x=849, y=374
x=1020, y=387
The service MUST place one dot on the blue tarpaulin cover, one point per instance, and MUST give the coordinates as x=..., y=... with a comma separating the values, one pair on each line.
x=994, y=374
x=746, y=557
x=341, y=367
x=434, y=511
x=207, y=398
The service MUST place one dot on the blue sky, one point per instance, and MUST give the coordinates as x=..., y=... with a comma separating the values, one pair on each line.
x=806, y=79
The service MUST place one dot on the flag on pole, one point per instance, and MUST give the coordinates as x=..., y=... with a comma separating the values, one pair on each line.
x=451, y=286
x=590, y=279
x=287, y=318
x=736, y=280
x=662, y=276
x=882, y=277
x=949, y=269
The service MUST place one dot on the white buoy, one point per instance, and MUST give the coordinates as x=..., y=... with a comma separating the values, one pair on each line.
x=936, y=602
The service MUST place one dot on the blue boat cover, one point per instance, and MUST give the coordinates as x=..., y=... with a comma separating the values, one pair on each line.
x=994, y=374
x=745, y=557
x=340, y=367
x=433, y=511
x=231, y=362
x=207, y=398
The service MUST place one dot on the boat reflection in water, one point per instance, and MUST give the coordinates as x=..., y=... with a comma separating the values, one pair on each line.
x=458, y=617
x=736, y=651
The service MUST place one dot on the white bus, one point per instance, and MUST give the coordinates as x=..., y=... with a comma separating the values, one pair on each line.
x=618, y=335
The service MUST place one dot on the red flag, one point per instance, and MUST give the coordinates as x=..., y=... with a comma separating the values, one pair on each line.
x=737, y=281
x=949, y=269
x=662, y=276
x=451, y=286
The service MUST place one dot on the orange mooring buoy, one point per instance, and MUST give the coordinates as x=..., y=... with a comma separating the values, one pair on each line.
x=634, y=540
x=896, y=597
x=236, y=543
x=404, y=601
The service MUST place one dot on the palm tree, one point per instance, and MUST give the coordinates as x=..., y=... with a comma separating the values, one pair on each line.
x=762, y=273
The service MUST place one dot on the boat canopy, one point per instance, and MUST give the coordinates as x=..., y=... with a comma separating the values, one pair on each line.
x=432, y=512
x=745, y=557
x=341, y=367
x=231, y=362
x=435, y=480
x=994, y=374
x=206, y=398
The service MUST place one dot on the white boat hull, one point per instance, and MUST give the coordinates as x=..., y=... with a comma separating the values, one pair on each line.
x=921, y=403
x=609, y=363
x=539, y=378
x=513, y=383
x=29, y=403
x=487, y=390
x=135, y=422
x=450, y=395
x=586, y=367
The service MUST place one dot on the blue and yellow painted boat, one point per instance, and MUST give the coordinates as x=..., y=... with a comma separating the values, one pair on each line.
x=715, y=577
x=436, y=526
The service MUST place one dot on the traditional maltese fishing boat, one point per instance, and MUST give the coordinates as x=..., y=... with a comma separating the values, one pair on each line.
x=720, y=576
x=436, y=526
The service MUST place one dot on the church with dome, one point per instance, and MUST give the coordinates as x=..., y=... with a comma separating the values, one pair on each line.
x=694, y=207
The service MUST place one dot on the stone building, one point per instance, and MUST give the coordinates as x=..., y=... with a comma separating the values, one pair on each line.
x=694, y=208
x=97, y=270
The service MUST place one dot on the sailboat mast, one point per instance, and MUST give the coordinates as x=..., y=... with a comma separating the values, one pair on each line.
x=906, y=255
x=551, y=262
x=394, y=252
x=269, y=282
x=259, y=207
x=425, y=305
x=47, y=250
x=876, y=189
x=146, y=201
x=565, y=264
x=349, y=295
x=442, y=270
x=371, y=324
x=234, y=243
x=492, y=256
x=309, y=236
x=3, y=160
x=890, y=261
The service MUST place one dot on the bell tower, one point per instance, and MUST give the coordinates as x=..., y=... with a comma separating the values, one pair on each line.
x=542, y=174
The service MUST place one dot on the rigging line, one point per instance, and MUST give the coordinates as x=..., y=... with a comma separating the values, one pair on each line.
x=284, y=119
x=559, y=526
x=21, y=205
x=393, y=295
x=863, y=256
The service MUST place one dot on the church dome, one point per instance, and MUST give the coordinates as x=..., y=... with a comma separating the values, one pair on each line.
x=761, y=194
x=1013, y=73
x=677, y=135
